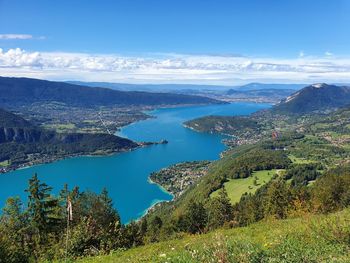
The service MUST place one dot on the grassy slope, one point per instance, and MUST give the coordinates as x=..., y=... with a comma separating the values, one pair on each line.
x=310, y=238
x=237, y=187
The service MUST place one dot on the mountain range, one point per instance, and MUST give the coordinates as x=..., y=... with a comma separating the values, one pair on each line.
x=188, y=87
x=21, y=91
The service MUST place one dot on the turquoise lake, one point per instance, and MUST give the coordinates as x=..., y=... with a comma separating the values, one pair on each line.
x=125, y=175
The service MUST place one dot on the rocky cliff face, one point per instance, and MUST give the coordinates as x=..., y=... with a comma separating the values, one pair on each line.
x=24, y=143
x=14, y=128
x=24, y=135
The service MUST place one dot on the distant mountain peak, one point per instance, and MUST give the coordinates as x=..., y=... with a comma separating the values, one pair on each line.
x=319, y=85
x=317, y=97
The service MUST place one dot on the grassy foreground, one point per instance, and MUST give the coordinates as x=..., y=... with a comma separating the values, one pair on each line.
x=310, y=238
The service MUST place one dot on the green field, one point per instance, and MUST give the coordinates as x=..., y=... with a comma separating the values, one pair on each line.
x=4, y=163
x=237, y=187
x=311, y=238
x=297, y=160
x=61, y=127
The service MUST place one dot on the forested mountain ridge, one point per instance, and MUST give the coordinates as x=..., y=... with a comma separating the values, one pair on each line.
x=22, y=142
x=21, y=91
x=232, y=125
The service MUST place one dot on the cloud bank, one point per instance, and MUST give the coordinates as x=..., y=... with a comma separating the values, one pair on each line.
x=173, y=68
x=15, y=36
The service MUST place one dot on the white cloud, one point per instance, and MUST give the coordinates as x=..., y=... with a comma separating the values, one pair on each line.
x=301, y=54
x=172, y=68
x=15, y=36
x=327, y=53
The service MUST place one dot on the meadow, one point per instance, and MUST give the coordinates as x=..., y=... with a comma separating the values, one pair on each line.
x=237, y=187
x=309, y=238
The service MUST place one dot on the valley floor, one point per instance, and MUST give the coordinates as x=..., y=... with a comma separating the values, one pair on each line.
x=307, y=238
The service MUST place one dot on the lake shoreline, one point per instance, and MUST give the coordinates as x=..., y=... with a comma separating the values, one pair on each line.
x=132, y=168
x=51, y=159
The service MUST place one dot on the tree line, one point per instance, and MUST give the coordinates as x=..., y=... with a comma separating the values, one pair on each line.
x=38, y=229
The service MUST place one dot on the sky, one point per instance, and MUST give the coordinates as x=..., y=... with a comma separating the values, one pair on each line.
x=184, y=41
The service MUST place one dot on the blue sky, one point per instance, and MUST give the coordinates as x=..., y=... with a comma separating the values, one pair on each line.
x=186, y=33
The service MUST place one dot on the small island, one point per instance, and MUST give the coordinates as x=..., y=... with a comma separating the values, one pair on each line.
x=163, y=141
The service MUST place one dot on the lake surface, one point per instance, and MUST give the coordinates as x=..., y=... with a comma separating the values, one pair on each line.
x=125, y=175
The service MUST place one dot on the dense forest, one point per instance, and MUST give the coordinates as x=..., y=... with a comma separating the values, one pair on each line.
x=227, y=124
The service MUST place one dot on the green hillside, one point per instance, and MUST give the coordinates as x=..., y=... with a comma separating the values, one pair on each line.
x=237, y=187
x=310, y=238
x=233, y=125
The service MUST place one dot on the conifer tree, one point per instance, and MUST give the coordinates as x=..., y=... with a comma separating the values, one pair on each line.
x=42, y=208
x=13, y=229
x=196, y=217
x=220, y=210
x=278, y=199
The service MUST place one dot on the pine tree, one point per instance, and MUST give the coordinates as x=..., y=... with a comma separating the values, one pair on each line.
x=13, y=229
x=109, y=216
x=277, y=200
x=42, y=208
x=154, y=227
x=196, y=217
x=220, y=210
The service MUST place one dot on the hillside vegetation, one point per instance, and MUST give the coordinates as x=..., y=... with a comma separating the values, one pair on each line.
x=306, y=155
x=233, y=125
x=235, y=188
x=310, y=238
